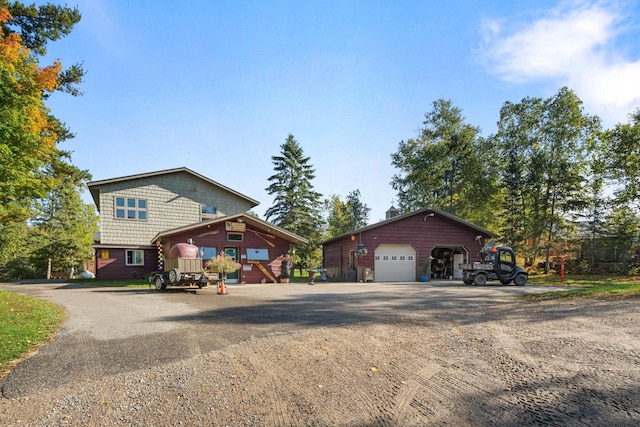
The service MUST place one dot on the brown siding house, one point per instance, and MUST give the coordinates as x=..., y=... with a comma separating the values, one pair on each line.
x=397, y=248
x=143, y=215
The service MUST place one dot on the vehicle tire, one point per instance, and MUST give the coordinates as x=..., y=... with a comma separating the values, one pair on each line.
x=505, y=282
x=174, y=276
x=160, y=285
x=202, y=282
x=520, y=280
x=480, y=280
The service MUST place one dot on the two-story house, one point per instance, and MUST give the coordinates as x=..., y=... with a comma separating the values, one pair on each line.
x=142, y=216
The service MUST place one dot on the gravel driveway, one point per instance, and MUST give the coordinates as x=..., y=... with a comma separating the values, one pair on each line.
x=440, y=353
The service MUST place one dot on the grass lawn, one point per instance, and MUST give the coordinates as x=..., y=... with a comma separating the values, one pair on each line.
x=586, y=286
x=25, y=324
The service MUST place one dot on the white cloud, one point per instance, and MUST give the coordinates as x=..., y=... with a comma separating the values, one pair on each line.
x=572, y=45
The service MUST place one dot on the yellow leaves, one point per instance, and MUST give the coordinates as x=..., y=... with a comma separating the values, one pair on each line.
x=5, y=16
x=47, y=78
x=11, y=48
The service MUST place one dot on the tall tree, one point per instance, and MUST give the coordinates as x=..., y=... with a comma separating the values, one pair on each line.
x=597, y=203
x=624, y=153
x=29, y=134
x=296, y=205
x=65, y=223
x=623, y=226
x=447, y=166
x=543, y=144
x=346, y=216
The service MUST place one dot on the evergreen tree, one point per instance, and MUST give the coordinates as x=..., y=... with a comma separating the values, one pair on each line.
x=296, y=205
x=65, y=223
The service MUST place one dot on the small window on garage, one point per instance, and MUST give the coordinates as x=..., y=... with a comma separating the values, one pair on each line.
x=134, y=257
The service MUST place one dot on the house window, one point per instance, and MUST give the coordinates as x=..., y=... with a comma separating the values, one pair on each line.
x=257, y=254
x=208, y=253
x=235, y=237
x=135, y=257
x=130, y=208
x=208, y=210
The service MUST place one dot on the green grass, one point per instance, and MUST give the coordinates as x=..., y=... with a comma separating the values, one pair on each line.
x=25, y=324
x=596, y=287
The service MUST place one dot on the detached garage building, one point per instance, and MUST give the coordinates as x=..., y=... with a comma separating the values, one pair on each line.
x=394, y=250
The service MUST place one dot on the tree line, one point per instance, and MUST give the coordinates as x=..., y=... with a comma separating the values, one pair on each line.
x=551, y=181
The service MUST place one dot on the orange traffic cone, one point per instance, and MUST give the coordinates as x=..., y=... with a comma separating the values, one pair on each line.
x=221, y=290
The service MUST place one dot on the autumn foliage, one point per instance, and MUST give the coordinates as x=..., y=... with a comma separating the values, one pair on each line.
x=28, y=133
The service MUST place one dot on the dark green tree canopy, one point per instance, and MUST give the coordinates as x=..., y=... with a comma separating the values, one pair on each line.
x=544, y=147
x=38, y=25
x=448, y=166
x=624, y=154
x=296, y=204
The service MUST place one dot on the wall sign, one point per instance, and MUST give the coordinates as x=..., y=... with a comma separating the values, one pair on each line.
x=236, y=226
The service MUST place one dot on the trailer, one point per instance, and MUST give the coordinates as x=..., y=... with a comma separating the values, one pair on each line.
x=183, y=270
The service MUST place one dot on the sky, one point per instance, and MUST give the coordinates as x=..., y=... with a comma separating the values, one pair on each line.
x=217, y=86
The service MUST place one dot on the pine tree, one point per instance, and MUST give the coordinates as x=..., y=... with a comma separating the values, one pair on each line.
x=296, y=206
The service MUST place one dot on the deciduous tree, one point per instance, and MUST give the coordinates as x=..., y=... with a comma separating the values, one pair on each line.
x=543, y=144
x=29, y=134
x=448, y=166
x=346, y=216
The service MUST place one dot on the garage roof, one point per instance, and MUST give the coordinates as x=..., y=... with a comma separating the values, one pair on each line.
x=423, y=211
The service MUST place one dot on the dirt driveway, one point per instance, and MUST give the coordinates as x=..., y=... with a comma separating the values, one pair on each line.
x=331, y=354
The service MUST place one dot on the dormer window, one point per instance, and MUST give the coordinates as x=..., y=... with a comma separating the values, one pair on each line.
x=130, y=208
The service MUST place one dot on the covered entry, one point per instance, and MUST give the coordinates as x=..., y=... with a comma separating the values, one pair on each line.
x=446, y=261
x=395, y=263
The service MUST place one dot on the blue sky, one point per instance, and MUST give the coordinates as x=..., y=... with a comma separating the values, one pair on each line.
x=217, y=86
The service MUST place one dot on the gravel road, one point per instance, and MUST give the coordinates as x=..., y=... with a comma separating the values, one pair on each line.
x=440, y=353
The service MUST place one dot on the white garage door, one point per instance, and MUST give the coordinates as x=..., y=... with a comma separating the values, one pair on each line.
x=395, y=263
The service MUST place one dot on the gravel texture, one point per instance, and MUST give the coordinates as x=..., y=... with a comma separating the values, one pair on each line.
x=303, y=359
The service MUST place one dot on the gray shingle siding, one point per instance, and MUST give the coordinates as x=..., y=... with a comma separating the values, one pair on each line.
x=173, y=200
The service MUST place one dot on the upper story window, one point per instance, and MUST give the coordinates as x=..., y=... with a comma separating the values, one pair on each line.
x=208, y=210
x=130, y=208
